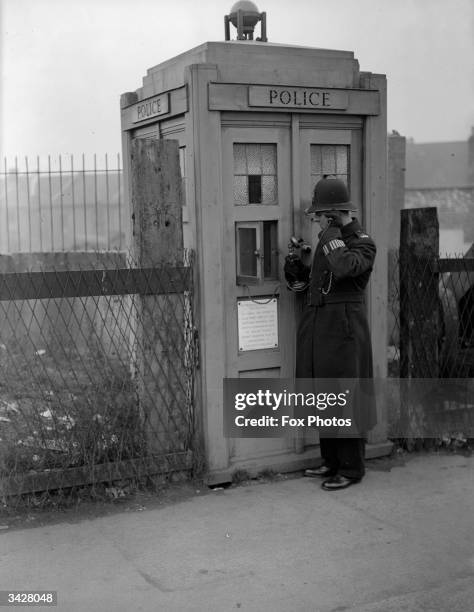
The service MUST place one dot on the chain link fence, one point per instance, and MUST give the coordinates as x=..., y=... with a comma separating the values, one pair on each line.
x=98, y=360
x=431, y=336
x=454, y=319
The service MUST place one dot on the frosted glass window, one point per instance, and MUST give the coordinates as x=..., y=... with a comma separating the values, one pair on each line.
x=254, y=159
x=255, y=174
x=241, y=190
x=331, y=160
x=269, y=159
x=328, y=159
x=240, y=161
x=341, y=160
x=316, y=159
x=269, y=193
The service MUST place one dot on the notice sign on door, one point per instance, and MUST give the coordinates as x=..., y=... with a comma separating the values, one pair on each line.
x=258, y=324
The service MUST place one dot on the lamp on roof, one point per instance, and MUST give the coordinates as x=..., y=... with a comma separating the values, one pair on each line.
x=244, y=16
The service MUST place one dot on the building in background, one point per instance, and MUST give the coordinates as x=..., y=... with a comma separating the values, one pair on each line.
x=441, y=174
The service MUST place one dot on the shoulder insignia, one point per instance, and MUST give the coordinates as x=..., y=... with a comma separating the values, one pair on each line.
x=361, y=234
x=332, y=245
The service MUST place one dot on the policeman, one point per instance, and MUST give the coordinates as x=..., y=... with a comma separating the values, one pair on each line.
x=333, y=338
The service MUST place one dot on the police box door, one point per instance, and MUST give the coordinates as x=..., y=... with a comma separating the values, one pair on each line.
x=328, y=152
x=334, y=152
x=258, y=224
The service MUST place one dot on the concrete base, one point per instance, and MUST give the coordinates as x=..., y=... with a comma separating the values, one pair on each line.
x=282, y=464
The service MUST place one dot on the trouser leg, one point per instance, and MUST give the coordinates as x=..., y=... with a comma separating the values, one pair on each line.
x=350, y=454
x=328, y=448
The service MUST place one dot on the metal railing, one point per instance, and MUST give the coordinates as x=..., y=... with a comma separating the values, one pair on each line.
x=58, y=204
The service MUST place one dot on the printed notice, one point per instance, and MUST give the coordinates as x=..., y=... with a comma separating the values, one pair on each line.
x=258, y=324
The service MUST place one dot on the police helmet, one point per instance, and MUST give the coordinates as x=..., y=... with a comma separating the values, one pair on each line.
x=330, y=194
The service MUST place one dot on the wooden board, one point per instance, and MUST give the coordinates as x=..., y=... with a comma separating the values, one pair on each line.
x=84, y=283
x=105, y=472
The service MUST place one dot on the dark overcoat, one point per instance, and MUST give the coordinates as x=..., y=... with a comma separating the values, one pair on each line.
x=333, y=337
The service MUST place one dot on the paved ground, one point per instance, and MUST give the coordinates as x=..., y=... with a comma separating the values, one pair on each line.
x=401, y=540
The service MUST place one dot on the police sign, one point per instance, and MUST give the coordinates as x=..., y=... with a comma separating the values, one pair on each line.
x=152, y=107
x=297, y=97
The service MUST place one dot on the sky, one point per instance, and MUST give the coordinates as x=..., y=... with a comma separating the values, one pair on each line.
x=64, y=63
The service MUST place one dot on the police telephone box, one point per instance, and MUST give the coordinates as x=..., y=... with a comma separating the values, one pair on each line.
x=258, y=124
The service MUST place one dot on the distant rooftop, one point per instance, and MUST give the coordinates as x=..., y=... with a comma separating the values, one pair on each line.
x=437, y=165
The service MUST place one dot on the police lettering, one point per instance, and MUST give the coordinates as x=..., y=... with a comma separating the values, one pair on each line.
x=304, y=98
x=149, y=109
x=159, y=105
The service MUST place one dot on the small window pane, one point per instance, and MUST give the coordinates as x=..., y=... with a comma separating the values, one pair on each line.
x=255, y=189
x=314, y=179
x=329, y=159
x=269, y=159
x=255, y=174
x=341, y=159
x=332, y=160
x=247, y=246
x=269, y=190
x=240, y=160
x=182, y=165
x=241, y=193
x=316, y=161
x=270, y=249
x=254, y=159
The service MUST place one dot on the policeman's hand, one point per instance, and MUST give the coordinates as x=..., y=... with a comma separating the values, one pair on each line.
x=294, y=268
x=293, y=264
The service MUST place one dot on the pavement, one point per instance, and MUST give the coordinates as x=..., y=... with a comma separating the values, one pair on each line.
x=401, y=540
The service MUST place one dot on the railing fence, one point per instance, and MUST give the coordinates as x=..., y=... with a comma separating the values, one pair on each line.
x=58, y=204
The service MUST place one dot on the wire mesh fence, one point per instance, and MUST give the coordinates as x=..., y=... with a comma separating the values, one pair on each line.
x=97, y=370
x=457, y=300
x=431, y=335
x=452, y=324
x=61, y=204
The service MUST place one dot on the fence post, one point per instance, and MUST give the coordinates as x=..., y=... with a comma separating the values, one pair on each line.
x=420, y=320
x=156, y=201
